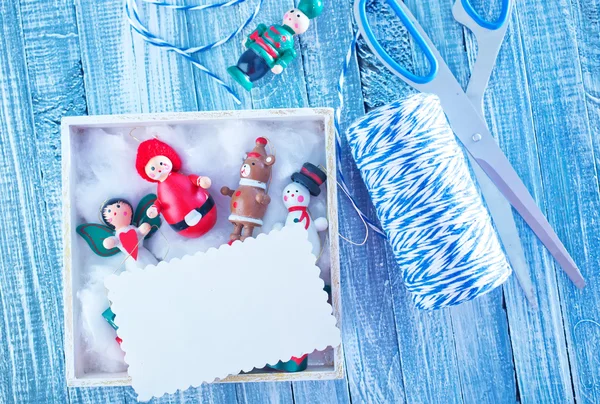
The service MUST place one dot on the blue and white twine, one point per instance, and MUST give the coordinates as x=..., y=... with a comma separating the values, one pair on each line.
x=133, y=16
x=201, y=7
x=428, y=202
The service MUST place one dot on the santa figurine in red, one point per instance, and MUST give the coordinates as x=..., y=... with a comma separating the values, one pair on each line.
x=181, y=199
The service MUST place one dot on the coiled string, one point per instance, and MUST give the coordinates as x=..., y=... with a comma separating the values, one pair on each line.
x=133, y=16
x=428, y=202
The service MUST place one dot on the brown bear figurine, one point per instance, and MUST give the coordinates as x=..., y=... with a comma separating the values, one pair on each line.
x=249, y=201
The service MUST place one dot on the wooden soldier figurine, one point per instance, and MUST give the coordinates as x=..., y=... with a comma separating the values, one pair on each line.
x=272, y=48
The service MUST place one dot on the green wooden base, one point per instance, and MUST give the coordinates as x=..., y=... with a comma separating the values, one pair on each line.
x=292, y=365
x=240, y=77
x=109, y=316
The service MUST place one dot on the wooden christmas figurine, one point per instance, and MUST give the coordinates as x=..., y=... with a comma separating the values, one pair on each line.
x=249, y=201
x=296, y=198
x=123, y=230
x=272, y=48
x=182, y=199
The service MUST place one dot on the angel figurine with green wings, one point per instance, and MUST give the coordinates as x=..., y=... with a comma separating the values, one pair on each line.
x=123, y=231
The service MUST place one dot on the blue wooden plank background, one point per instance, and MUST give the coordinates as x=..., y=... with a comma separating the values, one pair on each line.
x=77, y=57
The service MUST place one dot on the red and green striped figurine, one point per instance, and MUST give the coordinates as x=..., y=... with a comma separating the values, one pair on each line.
x=272, y=48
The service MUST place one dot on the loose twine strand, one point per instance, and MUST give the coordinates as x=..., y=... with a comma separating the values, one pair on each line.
x=368, y=223
x=194, y=8
x=154, y=135
x=133, y=16
x=360, y=216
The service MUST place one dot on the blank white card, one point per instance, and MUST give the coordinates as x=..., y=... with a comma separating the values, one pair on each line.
x=193, y=320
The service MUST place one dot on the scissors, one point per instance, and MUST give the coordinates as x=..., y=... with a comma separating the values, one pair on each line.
x=465, y=114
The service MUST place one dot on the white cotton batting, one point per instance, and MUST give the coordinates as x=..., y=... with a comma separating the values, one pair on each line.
x=104, y=160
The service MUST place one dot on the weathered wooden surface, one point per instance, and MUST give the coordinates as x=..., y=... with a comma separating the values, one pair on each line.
x=72, y=57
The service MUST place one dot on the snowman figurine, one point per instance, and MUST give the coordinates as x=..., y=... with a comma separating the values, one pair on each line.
x=296, y=198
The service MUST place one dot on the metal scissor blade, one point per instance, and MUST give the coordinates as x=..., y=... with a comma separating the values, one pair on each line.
x=503, y=217
x=472, y=131
x=511, y=186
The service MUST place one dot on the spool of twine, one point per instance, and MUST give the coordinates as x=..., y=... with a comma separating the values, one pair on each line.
x=428, y=202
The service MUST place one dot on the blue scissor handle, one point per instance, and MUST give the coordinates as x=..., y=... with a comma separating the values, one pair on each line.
x=365, y=28
x=494, y=25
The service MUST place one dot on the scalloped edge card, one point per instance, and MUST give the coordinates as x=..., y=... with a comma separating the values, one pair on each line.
x=203, y=317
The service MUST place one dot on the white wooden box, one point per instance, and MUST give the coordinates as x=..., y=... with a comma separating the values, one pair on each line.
x=321, y=366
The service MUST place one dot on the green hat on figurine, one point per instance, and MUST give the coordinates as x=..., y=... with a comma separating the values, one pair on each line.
x=311, y=8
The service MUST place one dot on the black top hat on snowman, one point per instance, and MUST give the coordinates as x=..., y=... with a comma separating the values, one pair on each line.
x=312, y=177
